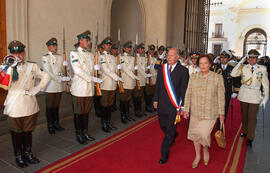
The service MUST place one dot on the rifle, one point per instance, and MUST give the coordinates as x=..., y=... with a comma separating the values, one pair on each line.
x=120, y=84
x=135, y=63
x=98, y=90
x=148, y=70
x=64, y=59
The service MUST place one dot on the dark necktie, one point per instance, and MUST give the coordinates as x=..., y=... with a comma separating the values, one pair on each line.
x=170, y=69
x=252, y=69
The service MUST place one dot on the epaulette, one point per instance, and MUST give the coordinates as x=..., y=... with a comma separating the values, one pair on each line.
x=31, y=62
x=46, y=54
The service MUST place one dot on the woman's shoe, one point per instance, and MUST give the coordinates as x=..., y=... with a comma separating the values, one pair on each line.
x=195, y=163
x=206, y=161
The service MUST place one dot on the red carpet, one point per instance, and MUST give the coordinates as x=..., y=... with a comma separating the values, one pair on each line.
x=137, y=150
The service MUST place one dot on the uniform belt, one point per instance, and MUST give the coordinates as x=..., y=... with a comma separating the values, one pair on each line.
x=251, y=87
x=22, y=92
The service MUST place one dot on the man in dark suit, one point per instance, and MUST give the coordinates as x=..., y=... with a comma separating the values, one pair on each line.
x=165, y=108
x=225, y=70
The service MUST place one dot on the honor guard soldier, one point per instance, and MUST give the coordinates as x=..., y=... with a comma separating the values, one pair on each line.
x=138, y=94
x=82, y=87
x=253, y=77
x=114, y=52
x=21, y=104
x=96, y=98
x=152, y=64
x=129, y=81
x=192, y=66
x=52, y=63
x=109, y=85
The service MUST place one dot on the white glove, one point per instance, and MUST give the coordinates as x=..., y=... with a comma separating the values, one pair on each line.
x=33, y=91
x=118, y=66
x=148, y=67
x=263, y=103
x=137, y=78
x=149, y=75
x=162, y=55
x=97, y=67
x=234, y=95
x=120, y=79
x=242, y=60
x=65, y=78
x=65, y=63
x=136, y=67
x=96, y=80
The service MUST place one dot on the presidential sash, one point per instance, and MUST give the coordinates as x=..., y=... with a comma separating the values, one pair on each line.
x=171, y=93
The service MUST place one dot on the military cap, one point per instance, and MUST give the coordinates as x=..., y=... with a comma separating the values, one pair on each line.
x=141, y=46
x=194, y=54
x=100, y=46
x=253, y=53
x=107, y=40
x=151, y=47
x=52, y=41
x=85, y=34
x=168, y=48
x=127, y=44
x=114, y=46
x=16, y=47
x=226, y=54
x=161, y=48
x=76, y=45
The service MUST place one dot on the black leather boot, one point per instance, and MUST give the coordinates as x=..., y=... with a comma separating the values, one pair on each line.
x=97, y=105
x=148, y=102
x=78, y=127
x=123, y=112
x=108, y=119
x=137, y=107
x=50, y=120
x=18, y=149
x=103, y=117
x=85, y=128
x=27, y=145
x=56, y=124
x=127, y=112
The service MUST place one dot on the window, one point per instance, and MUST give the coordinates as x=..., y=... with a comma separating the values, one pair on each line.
x=218, y=30
x=217, y=49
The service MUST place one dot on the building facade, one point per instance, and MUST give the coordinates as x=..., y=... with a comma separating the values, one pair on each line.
x=240, y=26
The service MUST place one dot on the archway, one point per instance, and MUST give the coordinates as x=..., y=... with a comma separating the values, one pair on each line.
x=128, y=16
x=255, y=39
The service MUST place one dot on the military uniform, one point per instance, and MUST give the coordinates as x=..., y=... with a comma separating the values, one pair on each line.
x=250, y=94
x=52, y=63
x=127, y=73
x=150, y=89
x=193, y=68
x=138, y=94
x=108, y=86
x=82, y=88
x=21, y=105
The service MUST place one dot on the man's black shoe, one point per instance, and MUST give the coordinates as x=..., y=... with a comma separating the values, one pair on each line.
x=162, y=161
x=243, y=135
x=249, y=143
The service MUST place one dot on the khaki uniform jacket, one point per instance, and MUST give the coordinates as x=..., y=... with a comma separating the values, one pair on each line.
x=108, y=74
x=52, y=63
x=82, y=63
x=127, y=71
x=251, y=83
x=141, y=62
x=17, y=103
x=153, y=70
